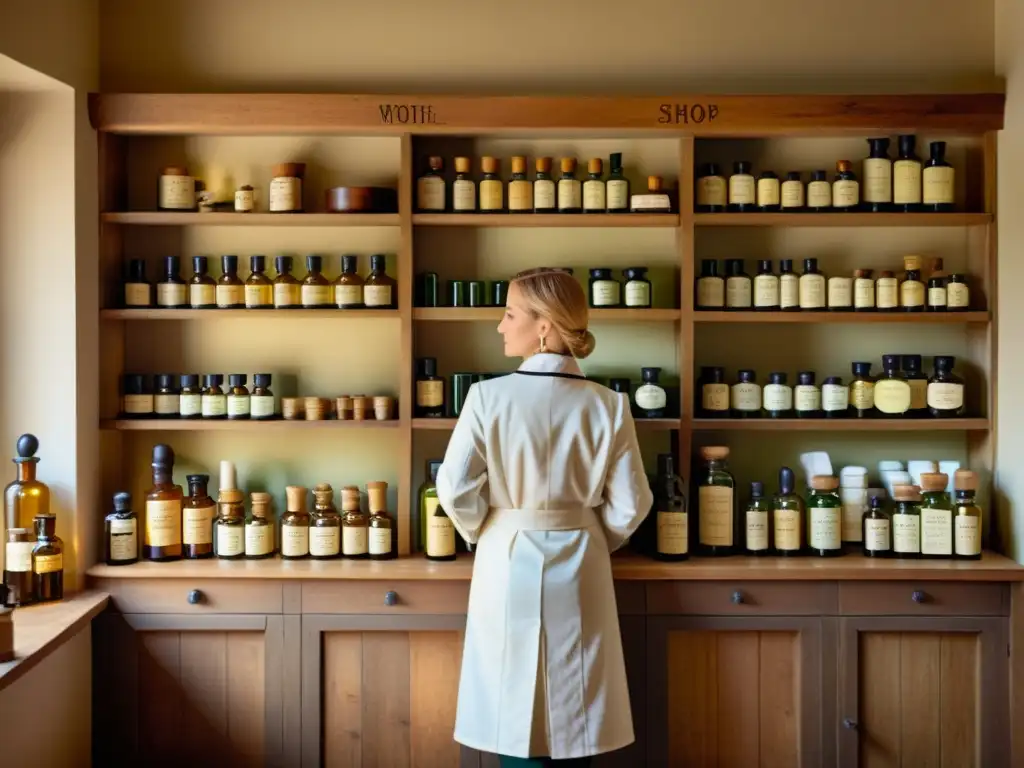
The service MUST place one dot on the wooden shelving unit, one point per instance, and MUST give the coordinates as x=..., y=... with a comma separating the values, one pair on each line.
x=449, y=314
x=544, y=220
x=842, y=219
x=840, y=425
x=219, y=219
x=220, y=314
x=227, y=425
x=979, y=316
x=642, y=425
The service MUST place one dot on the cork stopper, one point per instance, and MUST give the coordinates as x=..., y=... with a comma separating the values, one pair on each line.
x=295, y=498
x=462, y=165
x=594, y=165
x=174, y=170
x=568, y=164
x=911, y=262
x=227, y=476
x=289, y=170
x=714, y=452
x=906, y=493
x=934, y=481
x=377, y=493
x=543, y=165
x=824, y=483
x=844, y=166
x=518, y=164
x=654, y=183
x=350, y=498
x=489, y=164
x=260, y=503
x=323, y=493
x=230, y=496
x=965, y=480
x=885, y=273
x=436, y=163
x=864, y=274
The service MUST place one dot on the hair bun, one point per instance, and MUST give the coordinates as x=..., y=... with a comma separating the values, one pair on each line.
x=580, y=343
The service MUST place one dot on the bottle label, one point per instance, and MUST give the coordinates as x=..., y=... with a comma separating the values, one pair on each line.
x=945, y=396
x=136, y=294
x=835, y=397
x=737, y=292
x=711, y=292
x=171, y=295
x=711, y=190
x=918, y=394
x=259, y=295
x=124, y=544
x=936, y=531
x=650, y=397
x=789, y=291
x=968, y=535
x=806, y=397
x=906, y=182
x=238, y=405
x=355, y=540
x=287, y=295
x=862, y=395
x=163, y=523
x=825, y=528
x=245, y=200
x=380, y=541
x=285, y=193
x=324, y=541
x=463, y=195
x=715, y=397
x=715, y=521
x=48, y=563
x=792, y=194
x=197, y=525
x=937, y=296
x=673, y=532
x=912, y=293
x=348, y=295
x=650, y=202
x=766, y=291
x=812, y=291
x=906, y=534
x=938, y=184
x=605, y=293
x=258, y=540
x=261, y=406
x=430, y=393
x=138, y=404
x=778, y=397
x=767, y=192
x=876, y=535
x=618, y=195
x=638, y=293
x=840, y=292
x=877, y=180
x=166, y=404
x=855, y=502
x=214, y=405
x=316, y=295
x=202, y=295
x=887, y=293
x=520, y=196
x=18, y=556
x=230, y=540
x=440, y=532
x=819, y=194
x=957, y=296
x=377, y=295
x=593, y=196
x=230, y=295
x=177, y=193
x=294, y=540
x=786, y=524
x=863, y=293
x=190, y=405
x=757, y=530
x=568, y=194
x=430, y=193
x=544, y=195
x=491, y=195
x=892, y=396
x=741, y=189
x=746, y=396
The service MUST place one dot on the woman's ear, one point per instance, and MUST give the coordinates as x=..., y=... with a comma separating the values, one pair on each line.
x=543, y=327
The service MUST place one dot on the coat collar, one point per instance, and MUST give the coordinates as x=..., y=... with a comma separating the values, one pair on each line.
x=548, y=362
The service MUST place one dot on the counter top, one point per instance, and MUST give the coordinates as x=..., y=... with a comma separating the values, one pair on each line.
x=626, y=566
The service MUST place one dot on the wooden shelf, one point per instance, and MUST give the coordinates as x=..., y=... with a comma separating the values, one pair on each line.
x=546, y=220
x=228, y=219
x=980, y=316
x=439, y=314
x=642, y=425
x=841, y=219
x=242, y=425
x=221, y=314
x=840, y=425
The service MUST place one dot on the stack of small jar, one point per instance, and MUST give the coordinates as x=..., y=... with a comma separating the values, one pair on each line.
x=810, y=291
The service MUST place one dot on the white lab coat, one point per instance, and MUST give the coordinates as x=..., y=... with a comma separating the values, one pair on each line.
x=544, y=473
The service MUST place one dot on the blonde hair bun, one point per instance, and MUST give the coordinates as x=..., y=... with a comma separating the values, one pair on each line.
x=556, y=296
x=581, y=344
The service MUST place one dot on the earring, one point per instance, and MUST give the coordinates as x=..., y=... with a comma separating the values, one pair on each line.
x=543, y=344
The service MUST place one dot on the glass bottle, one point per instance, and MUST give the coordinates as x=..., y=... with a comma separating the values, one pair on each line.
x=966, y=516
x=835, y=398
x=853, y=493
x=637, y=290
x=595, y=199
x=605, y=290
x=287, y=290
x=738, y=286
x=906, y=521
x=863, y=291
x=714, y=393
x=717, y=521
x=918, y=383
x=806, y=396
x=712, y=195
x=650, y=397
x=778, y=397
x=190, y=397
x=429, y=389
x=261, y=401
x=121, y=532
x=136, y=396
x=710, y=286
x=912, y=289
x=463, y=188
x=824, y=517
x=876, y=530
x=230, y=291
x=492, y=191
x=355, y=526
x=958, y=294
x=202, y=289
x=162, y=526
x=18, y=567
x=379, y=289
x=812, y=286
x=792, y=198
x=745, y=396
x=742, y=188
x=936, y=296
x=789, y=287
x=213, y=402
x=936, y=516
x=166, y=399
x=819, y=193
x=543, y=187
x=430, y=188
x=671, y=517
x=937, y=180
x=237, y=397
x=295, y=524
x=348, y=287
x=436, y=530
x=906, y=177
x=171, y=291
x=229, y=531
x=878, y=176
x=862, y=391
x=569, y=189
x=840, y=293
x=324, y=525
x=788, y=517
x=757, y=522
x=259, y=528
x=892, y=391
x=768, y=192
x=520, y=188
x=137, y=291
x=887, y=292
x=316, y=289
x=380, y=528
x=259, y=289
x=766, y=288
x=945, y=390
x=198, y=513
x=47, y=561
x=617, y=188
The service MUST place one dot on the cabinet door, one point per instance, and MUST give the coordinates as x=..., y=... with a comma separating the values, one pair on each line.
x=923, y=692
x=194, y=690
x=734, y=691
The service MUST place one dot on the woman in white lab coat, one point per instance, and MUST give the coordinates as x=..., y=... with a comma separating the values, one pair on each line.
x=544, y=474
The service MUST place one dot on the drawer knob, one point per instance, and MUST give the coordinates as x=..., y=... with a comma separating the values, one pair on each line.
x=390, y=598
x=850, y=725
x=195, y=597
x=737, y=598
x=918, y=596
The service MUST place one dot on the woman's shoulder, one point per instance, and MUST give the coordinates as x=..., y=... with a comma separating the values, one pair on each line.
x=514, y=386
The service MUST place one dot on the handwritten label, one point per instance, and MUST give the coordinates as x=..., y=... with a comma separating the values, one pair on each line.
x=684, y=114
x=407, y=114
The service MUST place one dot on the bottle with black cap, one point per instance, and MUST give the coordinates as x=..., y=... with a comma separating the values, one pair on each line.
x=793, y=199
x=348, y=288
x=136, y=396
x=788, y=517
x=757, y=521
x=937, y=180
x=819, y=193
x=259, y=290
x=623, y=387
x=137, y=291
x=862, y=391
x=316, y=289
x=812, y=287
x=18, y=568
x=47, y=561
x=429, y=389
x=650, y=397
x=261, y=401
x=213, y=403
x=789, y=287
x=877, y=529
x=918, y=382
x=230, y=291
x=878, y=176
x=237, y=397
x=618, y=185
x=710, y=286
x=671, y=518
x=768, y=192
x=190, y=397
x=906, y=176
x=162, y=526
x=379, y=288
x=738, y=286
x=711, y=189
x=745, y=396
x=742, y=188
x=25, y=497
x=198, y=513
x=605, y=290
x=945, y=390
x=835, y=398
x=287, y=289
x=806, y=396
x=202, y=289
x=892, y=390
x=718, y=528
x=166, y=398
x=714, y=393
x=766, y=288
x=777, y=396
x=171, y=291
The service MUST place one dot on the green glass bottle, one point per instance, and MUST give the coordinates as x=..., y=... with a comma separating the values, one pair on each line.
x=824, y=517
x=906, y=521
x=757, y=522
x=716, y=504
x=788, y=517
x=672, y=521
x=876, y=530
x=437, y=538
x=967, y=520
x=936, y=516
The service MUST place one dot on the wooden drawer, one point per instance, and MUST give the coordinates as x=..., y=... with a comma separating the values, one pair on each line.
x=739, y=598
x=927, y=598
x=441, y=597
x=175, y=595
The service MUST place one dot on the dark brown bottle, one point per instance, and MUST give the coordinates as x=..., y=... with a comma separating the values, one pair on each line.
x=18, y=567
x=47, y=561
x=162, y=527
x=121, y=532
x=197, y=514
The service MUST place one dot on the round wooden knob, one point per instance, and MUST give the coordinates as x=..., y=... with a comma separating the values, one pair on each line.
x=850, y=725
x=390, y=598
x=737, y=598
x=195, y=597
x=918, y=596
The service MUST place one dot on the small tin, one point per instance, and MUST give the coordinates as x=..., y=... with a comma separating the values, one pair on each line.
x=382, y=408
x=499, y=293
x=292, y=408
x=457, y=293
x=460, y=385
x=427, y=289
x=477, y=293
x=344, y=405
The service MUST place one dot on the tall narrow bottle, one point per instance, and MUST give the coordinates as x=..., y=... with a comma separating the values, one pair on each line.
x=18, y=566
x=757, y=522
x=906, y=177
x=594, y=194
x=355, y=527
x=967, y=516
x=716, y=504
x=936, y=516
x=878, y=176
x=824, y=517
x=435, y=530
x=673, y=523
x=520, y=188
x=259, y=528
x=230, y=290
x=47, y=561
x=198, y=513
x=906, y=521
x=162, y=527
x=617, y=186
x=570, y=197
x=788, y=517
x=937, y=180
x=26, y=497
x=379, y=524
x=229, y=531
x=121, y=529
x=877, y=530
x=295, y=524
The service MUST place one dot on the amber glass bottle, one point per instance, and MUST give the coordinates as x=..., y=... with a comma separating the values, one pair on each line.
x=316, y=289
x=348, y=288
x=26, y=497
x=121, y=529
x=379, y=289
x=295, y=524
x=162, y=527
x=259, y=290
x=202, y=289
x=324, y=525
x=47, y=561
x=259, y=528
x=197, y=519
x=18, y=567
x=380, y=543
x=230, y=291
x=355, y=526
x=287, y=290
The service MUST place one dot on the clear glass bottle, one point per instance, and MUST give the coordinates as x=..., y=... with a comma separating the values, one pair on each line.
x=906, y=521
x=171, y=291
x=936, y=516
x=259, y=528
x=945, y=390
x=712, y=194
x=887, y=292
x=812, y=287
x=806, y=396
x=595, y=198
x=259, y=289
x=793, y=197
x=778, y=397
x=324, y=525
x=878, y=176
x=463, y=188
x=543, y=187
x=287, y=289
x=918, y=383
x=768, y=192
x=958, y=293
x=906, y=177
x=120, y=532
x=937, y=178
x=137, y=290
x=316, y=289
x=380, y=526
x=47, y=561
x=213, y=402
x=238, y=405
x=162, y=526
x=788, y=517
x=570, y=195
x=190, y=397
x=757, y=522
x=789, y=287
x=520, y=188
x=18, y=567
x=650, y=397
x=745, y=396
x=605, y=291
x=379, y=289
x=742, y=188
x=967, y=516
x=202, y=289
x=766, y=288
x=824, y=517
x=714, y=393
x=197, y=516
x=617, y=187
x=429, y=389
x=295, y=524
x=717, y=521
x=710, y=286
x=819, y=193
x=671, y=517
x=230, y=291
x=355, y=525
x=863, y=291
x=835, y=398
x=862, y=391
x=261, y=401
x=892, y=391
x=738, y=286
x=876, y=529
x=912, y=289
x=936, y=297
x=637, y=290
x=430, y=188
x=492, y=190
